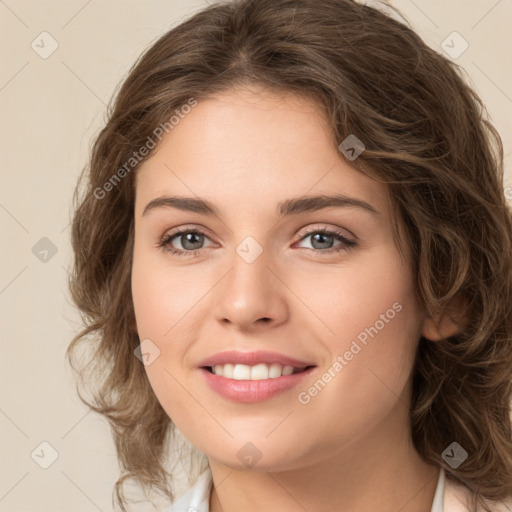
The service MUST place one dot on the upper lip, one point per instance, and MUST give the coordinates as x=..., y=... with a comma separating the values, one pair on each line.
x=253, y=358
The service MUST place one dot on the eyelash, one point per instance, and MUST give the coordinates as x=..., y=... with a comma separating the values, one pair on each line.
x=346, y=245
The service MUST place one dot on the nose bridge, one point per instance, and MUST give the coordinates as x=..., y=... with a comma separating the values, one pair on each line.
x=249, y=277
x=250, y=291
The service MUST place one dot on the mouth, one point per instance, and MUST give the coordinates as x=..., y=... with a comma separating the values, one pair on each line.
x=261, y=371
x=254, y=376
x=250, y=384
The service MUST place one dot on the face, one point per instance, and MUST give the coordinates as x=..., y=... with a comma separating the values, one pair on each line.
x=291, y=325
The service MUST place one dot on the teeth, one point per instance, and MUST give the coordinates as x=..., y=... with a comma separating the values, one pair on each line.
x=274, y=370
x=260, y=371
x=241, y=372
x=287, y=370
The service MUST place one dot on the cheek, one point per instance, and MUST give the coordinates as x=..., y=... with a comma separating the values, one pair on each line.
x=374, y=318
x=163, y=295
x=169, y=305
x=161, y=302
x=370, y=296
x=380, y=315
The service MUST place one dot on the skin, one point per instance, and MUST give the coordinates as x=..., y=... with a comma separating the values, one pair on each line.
x=349, y=448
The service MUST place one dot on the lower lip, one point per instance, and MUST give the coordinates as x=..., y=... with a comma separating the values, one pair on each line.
x=250, y=391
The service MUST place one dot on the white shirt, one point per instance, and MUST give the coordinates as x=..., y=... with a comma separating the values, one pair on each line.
x=449, y=496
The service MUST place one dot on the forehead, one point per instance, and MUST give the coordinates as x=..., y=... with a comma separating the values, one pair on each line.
x=249, y=148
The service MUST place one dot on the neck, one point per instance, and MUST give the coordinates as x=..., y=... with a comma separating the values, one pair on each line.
x=380, y=471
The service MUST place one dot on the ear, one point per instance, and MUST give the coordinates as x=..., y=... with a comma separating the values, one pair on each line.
x=447, y=324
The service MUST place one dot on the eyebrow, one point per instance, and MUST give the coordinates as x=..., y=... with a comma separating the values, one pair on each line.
x=285, y=208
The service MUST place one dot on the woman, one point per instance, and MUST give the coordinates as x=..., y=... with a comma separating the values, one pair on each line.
x=293, y=247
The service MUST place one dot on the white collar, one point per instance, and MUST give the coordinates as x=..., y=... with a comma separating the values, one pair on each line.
x=197, y=498
x=438, y=502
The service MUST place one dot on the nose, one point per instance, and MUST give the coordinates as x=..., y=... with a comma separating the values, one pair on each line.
x=252, y=296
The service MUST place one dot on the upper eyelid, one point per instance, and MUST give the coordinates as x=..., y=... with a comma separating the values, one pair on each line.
x=319, y=227
x=186, y=228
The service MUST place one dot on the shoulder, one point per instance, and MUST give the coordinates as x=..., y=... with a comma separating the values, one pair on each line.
x=197, y=498
x=458, y=498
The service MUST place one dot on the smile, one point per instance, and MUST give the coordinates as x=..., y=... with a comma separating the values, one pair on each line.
x=253, y=376
x=260, y=371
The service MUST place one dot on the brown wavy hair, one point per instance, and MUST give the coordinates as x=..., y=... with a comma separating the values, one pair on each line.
x=427, y=137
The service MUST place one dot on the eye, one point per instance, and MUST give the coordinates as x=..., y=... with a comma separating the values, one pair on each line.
x=323, y=238
x=191, y=241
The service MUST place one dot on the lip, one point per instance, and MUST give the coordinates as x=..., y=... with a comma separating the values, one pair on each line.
x=253, y=358
x=251, y=391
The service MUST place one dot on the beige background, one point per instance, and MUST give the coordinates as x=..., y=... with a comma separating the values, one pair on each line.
x=50, y=110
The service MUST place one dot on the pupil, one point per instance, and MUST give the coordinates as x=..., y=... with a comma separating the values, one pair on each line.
x=321, y=236
x=189, y=238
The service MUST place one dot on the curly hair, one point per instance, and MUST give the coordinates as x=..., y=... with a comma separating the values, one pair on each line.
x=427, y=137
